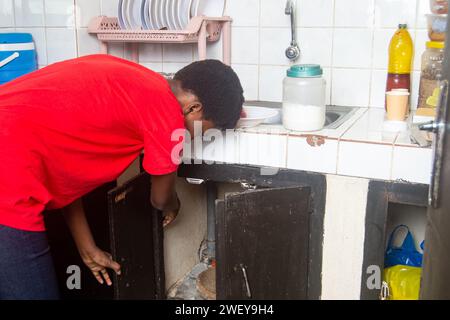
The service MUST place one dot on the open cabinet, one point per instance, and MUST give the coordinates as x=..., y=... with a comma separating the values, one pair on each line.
x=136, y=241
x=264, y=247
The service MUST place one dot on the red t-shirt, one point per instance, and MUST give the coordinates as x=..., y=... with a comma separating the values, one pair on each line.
x=75, y=125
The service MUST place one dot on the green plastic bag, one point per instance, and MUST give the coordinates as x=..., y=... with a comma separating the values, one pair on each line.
x=401, y=283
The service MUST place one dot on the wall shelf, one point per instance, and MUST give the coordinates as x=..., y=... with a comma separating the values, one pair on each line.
x=200, y=30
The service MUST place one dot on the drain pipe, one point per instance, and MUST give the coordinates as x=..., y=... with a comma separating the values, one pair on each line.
x=211, y=197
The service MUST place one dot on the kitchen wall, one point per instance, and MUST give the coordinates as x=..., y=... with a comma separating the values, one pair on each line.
x=349, y=38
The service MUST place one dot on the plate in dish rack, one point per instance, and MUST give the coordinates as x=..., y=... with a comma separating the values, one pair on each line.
x=184, y=12
x=120, y=15
x=134, y=14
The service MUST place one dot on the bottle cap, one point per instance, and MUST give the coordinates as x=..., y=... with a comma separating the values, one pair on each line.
x=435, y=44
x=305, y=71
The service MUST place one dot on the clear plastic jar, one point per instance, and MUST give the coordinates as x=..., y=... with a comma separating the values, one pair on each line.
x=432, y=68
x=304, y=94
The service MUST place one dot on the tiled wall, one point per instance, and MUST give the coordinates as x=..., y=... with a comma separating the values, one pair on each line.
x=349, y=38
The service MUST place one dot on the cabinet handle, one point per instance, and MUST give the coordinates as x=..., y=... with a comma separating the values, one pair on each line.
x=247, y=285
x=195, y=181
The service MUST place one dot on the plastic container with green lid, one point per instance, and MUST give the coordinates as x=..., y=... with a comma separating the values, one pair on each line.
x=304, y=92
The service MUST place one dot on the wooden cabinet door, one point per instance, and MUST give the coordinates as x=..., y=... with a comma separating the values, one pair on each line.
x=262, y=244
x=136, y=241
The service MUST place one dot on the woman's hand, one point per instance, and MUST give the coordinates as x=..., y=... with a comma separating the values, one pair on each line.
x=98, y=261
x=171, y=215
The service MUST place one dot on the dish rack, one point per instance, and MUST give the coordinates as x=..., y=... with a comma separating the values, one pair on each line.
x=200, y=30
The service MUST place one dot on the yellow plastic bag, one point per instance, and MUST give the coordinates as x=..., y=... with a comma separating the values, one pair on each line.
x=401, y=283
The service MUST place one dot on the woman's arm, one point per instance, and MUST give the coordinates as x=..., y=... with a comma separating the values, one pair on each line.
x=96, y=259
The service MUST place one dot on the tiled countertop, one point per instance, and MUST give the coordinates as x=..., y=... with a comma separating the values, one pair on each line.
x=357, y=148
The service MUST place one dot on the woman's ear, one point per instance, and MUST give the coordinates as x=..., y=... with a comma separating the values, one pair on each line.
x=195, y=109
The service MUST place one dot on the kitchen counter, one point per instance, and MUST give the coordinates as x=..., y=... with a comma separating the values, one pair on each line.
x=358, y=148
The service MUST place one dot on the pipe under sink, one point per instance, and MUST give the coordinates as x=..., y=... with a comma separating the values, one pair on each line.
x=335, y=115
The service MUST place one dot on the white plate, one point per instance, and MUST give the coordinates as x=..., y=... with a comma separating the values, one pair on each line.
x=154, y=14
x=256, y=116
x=184, y=12
x=174, y=16
x=120, y=15
x=148, y=21
x=170, y=8
x=134, y=14
x=194, y=8
x=162, y=14
x=126, y=13
x=211, y=8
x=144, y=15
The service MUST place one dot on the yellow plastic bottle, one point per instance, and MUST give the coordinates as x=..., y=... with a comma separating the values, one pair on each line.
x=401, y=51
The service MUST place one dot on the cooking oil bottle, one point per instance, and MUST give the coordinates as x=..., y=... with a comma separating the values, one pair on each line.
x=401, y=53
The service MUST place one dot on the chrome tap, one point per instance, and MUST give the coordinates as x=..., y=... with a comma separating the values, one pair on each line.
x=293, y=52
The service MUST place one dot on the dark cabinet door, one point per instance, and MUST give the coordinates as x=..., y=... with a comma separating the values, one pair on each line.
x=64, y=250
x=262, y=244
x=136, y=241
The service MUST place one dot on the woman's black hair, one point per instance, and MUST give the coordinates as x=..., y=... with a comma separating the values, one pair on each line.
x=217, y=87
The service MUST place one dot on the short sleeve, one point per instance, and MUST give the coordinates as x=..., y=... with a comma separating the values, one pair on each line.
x=162, y=151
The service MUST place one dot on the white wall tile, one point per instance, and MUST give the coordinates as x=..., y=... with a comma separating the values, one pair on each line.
x=315, y=13
x=61, y=44
x=244, y=13
x=109, y=7
x=354, y=13
x=173, y=67
x=381, y=40
x=59, y=13
x=350, y=87
x=302, y=156
x=327, y=77
x=177, y=53
x=245, y=44
x=116, y=49
x=313, y=51
x=249, y=75
x=274, y=42
x=7, y=30
x=364, y=160
x=412, y=164
x=271, y=82
x=389, y=13
x=29, y=13
x=86, y=10
x=150, y=52
x=423, y=9
x=40, y=42
x=154, y=66
x=352, y=48
x=273, y=14
x=378, y=88
x=213, y=51
x=6, y=13
x=87, y=43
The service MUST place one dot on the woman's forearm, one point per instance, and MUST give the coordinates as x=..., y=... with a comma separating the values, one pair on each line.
x=79, y=227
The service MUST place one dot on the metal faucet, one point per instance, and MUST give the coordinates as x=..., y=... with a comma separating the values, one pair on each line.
x=293, y=52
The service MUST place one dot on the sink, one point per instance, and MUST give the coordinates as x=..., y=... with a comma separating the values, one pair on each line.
x=335, y=115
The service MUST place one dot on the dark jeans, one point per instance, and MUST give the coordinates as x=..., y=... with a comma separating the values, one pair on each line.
x=26, y=266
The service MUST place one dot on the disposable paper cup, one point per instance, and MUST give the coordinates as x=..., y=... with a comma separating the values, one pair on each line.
x=397, y=105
